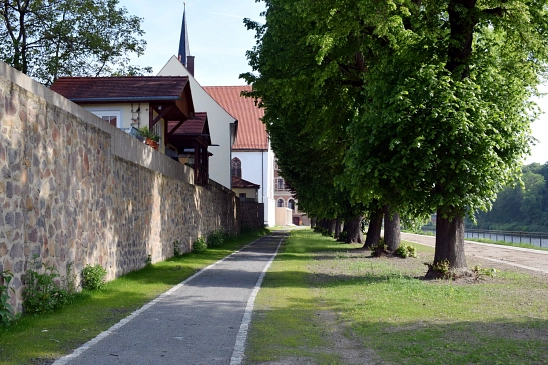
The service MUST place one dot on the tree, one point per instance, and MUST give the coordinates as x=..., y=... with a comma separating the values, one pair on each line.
x=433, y=96
x=306, y=130
x=46, y=39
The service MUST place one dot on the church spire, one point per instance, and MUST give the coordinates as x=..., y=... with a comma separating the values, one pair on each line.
x=184, y=50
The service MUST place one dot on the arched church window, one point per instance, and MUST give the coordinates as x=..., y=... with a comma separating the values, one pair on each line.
x=236, y=167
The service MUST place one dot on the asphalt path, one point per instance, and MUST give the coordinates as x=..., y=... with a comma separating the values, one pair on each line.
x=203, y=320
x=524, y=258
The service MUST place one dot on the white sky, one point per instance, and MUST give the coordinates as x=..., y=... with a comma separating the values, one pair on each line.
x=218, y=39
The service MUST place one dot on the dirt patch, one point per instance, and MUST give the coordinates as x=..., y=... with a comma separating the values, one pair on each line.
x=342, y=343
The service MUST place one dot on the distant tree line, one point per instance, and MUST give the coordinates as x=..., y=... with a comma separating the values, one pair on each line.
x=520, y=207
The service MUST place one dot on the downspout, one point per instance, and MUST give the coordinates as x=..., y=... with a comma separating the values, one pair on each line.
x=262, y=174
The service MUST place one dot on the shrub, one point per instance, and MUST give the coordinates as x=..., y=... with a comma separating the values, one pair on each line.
x=93, y=277
x=176, y=249
x=215, y=239
x=380, y=248
x=43, y=293
x=405, y=251
x=6, y=310
x=199, y=246
x=442, y=268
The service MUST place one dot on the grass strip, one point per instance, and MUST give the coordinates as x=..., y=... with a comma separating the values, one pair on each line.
x=384, y=306
x=38, y=339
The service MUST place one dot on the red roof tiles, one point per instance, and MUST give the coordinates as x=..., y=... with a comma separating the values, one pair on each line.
x=126, y=88
x=192, y=126
x=243, y=184
x=251, y=130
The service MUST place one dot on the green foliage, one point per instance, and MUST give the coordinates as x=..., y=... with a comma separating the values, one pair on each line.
x=148, y=260
x=520, y=207
x=200, y=245
x=46, y=40
x=215, y=239
x=480, y=271
x=93, y=277
x=43, y=292
x=177, y=249
x=405, y=251
x=392, y=102
x=442, y=268
x=6, y=310
x=147, y=133
x=342, y=236
x=379, y=249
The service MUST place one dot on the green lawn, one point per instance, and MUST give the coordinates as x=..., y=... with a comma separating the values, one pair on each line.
x=388, y=315
x=40, y=338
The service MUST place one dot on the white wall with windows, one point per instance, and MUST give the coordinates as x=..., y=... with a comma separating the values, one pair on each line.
x=258, y=167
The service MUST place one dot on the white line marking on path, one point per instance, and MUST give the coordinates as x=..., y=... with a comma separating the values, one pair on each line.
x=65, y=359
x=239, y=347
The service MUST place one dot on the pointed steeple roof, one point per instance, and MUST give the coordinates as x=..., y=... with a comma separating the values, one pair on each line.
x=184, y=49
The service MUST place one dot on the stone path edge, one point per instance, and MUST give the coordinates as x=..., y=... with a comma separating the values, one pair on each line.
x=491, y=259
x=80, y=350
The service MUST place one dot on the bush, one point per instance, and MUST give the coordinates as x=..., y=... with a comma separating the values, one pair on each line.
x=440, y=268
x=199, y=246
x=405, y=251
x=215, y=239
x=176, y=249
x=380, y=248
x=93, y=277
x=6, y=310
x=43, y=293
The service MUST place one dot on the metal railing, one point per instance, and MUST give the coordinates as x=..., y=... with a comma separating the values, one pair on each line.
x=534, y=238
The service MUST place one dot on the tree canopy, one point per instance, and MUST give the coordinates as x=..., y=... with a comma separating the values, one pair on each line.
x=430, y=99
x=46, y=39
x=520, y=207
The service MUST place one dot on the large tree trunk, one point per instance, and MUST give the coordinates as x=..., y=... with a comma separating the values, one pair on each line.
x=354, y=229
x=392, y=236
x=331, y=227
x=338, y=227
x=374, y=230
x=450, y=246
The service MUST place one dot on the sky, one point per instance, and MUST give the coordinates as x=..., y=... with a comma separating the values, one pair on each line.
x=218, y=39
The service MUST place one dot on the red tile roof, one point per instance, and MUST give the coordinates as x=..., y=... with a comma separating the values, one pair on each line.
x=251, y=130
x=243, y=184
x=127, y=88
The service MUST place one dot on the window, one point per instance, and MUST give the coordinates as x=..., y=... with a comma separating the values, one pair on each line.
x=281, y=203
x=280, y=185
x=243, y=195
x=110, y=116
x=291, y=204
x=236, y=167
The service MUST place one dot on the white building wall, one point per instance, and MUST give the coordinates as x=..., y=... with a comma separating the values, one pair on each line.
x=258, y=168
x=219, y=123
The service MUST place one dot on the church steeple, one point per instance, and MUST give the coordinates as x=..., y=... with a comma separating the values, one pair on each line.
x=184, y=51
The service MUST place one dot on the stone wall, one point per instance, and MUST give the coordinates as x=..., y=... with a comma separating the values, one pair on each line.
x=74, y=189
x=252, y=214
